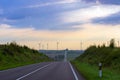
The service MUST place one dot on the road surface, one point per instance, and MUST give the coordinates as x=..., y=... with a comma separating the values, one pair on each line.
x=42, y=71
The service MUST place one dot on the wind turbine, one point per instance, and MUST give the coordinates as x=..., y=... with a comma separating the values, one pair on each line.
x=39, y=46
x=81, y=45
x=57, y=45
x=47, y=46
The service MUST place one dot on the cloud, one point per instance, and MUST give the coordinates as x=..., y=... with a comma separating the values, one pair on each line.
x=89, y=13
x=89, y=32
x=4, y=26
x=115, y=2
x=8, y=30
x=110, y=20
x=100, y=31
x=29, y=33
x=7, y=20
x=53, y=3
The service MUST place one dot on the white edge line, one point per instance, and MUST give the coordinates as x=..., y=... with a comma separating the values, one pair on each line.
x=76, y=78
x=33, y=72
x=15, y=68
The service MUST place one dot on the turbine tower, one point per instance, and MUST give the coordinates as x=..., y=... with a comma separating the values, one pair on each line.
x=47, y=46
x=57, y=45
x=81, y=45
x=39, y=46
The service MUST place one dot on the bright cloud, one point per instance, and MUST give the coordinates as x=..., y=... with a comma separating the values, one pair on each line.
x=7, y=30
x=86, y=14
x=53, y=3
x=95, y=31
x=4, y=26
x=20, y=33
x=89, y=33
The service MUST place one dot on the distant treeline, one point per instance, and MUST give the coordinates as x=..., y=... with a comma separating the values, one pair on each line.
x=58, y=55
x=13, y=55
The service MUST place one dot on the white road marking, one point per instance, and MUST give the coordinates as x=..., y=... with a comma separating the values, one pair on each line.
x=76, y=78
x=16, y=68
x=32, y=72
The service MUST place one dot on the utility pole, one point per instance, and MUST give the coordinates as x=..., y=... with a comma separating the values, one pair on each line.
x=47, y=46
x=57, y=45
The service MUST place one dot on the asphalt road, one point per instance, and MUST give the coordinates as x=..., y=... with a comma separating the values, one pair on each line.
x=42, y=71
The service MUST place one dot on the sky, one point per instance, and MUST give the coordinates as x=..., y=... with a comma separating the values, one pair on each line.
x=38, y=23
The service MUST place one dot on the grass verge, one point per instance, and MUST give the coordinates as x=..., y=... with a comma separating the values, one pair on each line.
x=13, y=55
x=90, y=72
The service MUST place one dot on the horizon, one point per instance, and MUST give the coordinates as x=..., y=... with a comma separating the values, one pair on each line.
x=69, y=22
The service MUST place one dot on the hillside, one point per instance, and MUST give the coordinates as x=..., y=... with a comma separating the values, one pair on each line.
x=13, y=55
x=109, y=56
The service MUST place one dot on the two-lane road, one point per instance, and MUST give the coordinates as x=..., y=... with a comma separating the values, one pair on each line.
x=42, y=71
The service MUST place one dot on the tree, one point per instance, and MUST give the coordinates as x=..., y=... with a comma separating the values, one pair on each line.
x=112, y=43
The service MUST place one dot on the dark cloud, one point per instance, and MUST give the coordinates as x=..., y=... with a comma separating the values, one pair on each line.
x=17, y=12
x=67, y=26
x=116, y=2
x=112, y=19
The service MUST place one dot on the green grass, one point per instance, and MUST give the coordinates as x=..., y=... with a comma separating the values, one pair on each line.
x=13, y=55
x=13, y=65
x=110, y=57
x=90, y=72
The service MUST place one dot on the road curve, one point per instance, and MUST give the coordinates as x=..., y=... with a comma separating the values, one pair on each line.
x=42, y=71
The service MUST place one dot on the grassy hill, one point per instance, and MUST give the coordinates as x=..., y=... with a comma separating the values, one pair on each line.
x=109, y=56
x=13, y=55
